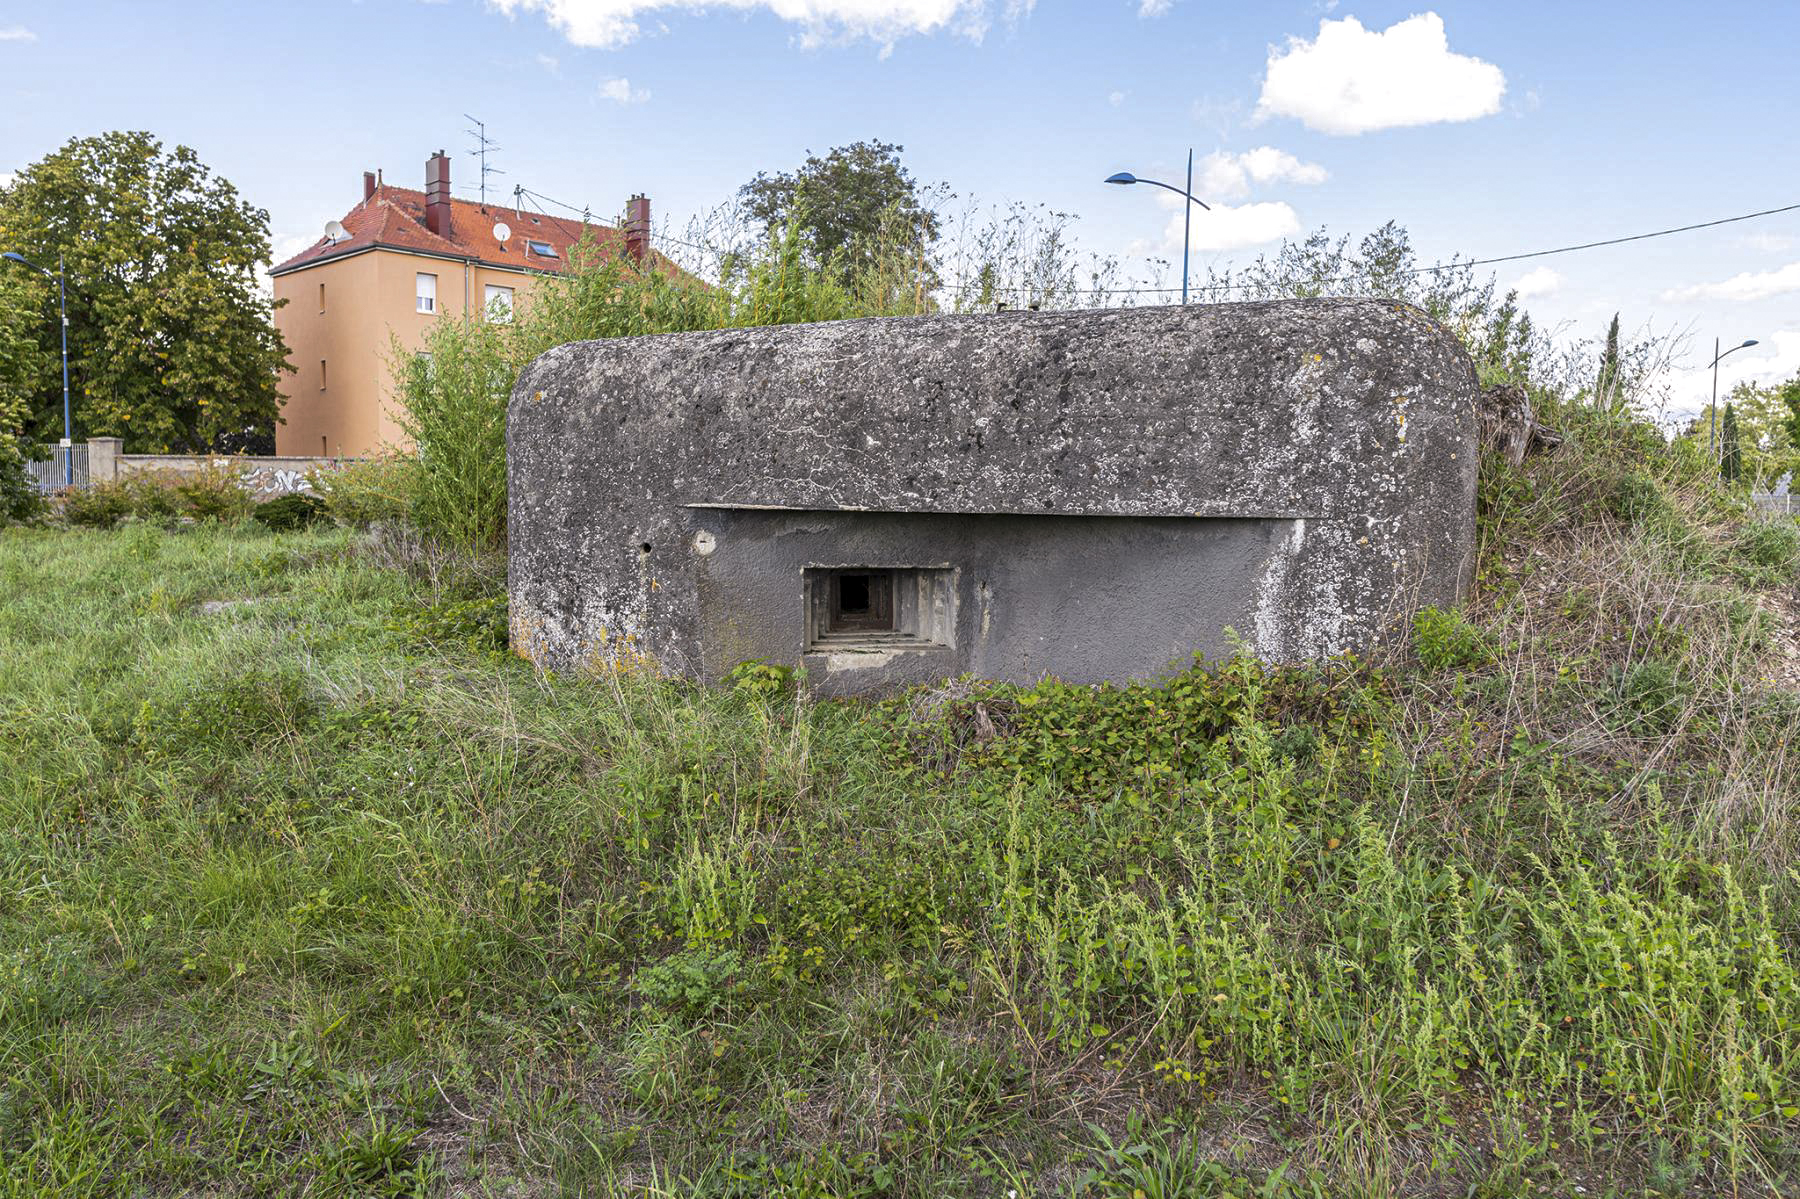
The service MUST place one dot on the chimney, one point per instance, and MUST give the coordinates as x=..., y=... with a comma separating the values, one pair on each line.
x=368, y=185
x=437, y=194
x=637, y=228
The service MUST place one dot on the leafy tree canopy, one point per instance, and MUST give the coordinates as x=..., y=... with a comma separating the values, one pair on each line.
x=171, y=345
x=848, y=206
x=23, y=364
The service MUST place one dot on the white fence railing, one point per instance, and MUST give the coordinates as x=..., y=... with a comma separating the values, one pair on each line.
x=1783, y=505
x=66, y=467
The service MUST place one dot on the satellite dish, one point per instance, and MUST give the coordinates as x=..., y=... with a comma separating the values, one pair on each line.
x=335, y=232
x=502, y=231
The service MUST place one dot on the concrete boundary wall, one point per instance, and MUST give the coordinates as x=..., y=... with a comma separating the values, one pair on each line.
x=262, y=475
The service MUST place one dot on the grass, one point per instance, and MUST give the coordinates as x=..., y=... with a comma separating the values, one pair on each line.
x=305, y=888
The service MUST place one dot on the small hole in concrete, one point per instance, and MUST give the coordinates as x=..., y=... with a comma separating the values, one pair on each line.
x=645, y=547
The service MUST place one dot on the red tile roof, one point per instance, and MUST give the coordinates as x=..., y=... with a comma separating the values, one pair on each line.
x=394, y=218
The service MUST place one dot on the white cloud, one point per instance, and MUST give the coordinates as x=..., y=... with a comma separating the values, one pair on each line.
x=1539, y=282
x=620, y=91
x=1750, y=285
x=1769, y=243
x=1154, y=8
x=1353, y=80
x=1232, y=228
x=550, y=63
x=1230, y=176
x=6, y=178
x=17, y=33
x=1116, y=99
x=609, y=24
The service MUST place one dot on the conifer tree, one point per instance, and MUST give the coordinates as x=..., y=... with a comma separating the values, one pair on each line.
x=1731, y=452
x=1606, y=387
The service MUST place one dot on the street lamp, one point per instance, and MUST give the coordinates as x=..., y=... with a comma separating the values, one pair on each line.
x=1124, y=177
x=1712, y=418
x=62, y=300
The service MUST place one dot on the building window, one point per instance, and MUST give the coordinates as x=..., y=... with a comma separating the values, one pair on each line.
x=323, y=452
x=542, y=249
x=321, y=297
x=498, y=307
x=426, y=292
x=321, y=374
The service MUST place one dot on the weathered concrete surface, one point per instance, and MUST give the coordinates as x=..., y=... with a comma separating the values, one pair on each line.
x=1301, y=471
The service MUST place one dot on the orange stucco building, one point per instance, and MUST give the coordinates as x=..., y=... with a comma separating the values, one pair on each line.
x=402, y=260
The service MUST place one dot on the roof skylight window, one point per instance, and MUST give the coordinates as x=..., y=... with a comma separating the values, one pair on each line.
x=542, y=249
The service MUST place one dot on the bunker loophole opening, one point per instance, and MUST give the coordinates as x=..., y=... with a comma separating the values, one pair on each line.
x=867, y=609
x=862, y=601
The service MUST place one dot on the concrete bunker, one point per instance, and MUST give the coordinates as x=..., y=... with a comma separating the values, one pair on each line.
x=1090, y=495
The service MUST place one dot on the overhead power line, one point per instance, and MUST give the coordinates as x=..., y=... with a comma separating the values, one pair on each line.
x=1462, y=265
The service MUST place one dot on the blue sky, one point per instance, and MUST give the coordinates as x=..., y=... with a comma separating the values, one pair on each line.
x=1485, y=128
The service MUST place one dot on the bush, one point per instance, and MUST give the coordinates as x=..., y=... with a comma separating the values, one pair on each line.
x=454, y=409
x=214, y=492
x=364, y=493
x=475, y=624
x=296, y=510
x=98, y=507
x=1651, y=695
x=1636, y=499
x=19, y=500
x=1771, y=546
x=153, y=497
x=1444, y=640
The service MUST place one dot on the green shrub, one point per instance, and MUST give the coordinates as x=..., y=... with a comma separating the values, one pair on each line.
x=1637, y=499
x=760, y=679
x=153, y=496
x=296, y=510
x=1445, y=640
x=19, y=499
x=214, y=492
x=100, y=506
x=360, y=494
x=476, y=624
x=454, y=409
x=1772, y=547
x=1651, y=694
x=694, y=980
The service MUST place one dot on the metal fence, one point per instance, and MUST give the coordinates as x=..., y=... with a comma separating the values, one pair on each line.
x=68, y=465
x=1782, y=505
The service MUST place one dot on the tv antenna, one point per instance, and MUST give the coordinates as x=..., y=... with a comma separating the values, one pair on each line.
x=483, y=146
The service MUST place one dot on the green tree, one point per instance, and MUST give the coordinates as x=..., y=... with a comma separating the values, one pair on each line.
x=1731, y=450
x=171, y=345
x=851, y=208
x=1607, y=385
x=23, y=364
x=1788, y=396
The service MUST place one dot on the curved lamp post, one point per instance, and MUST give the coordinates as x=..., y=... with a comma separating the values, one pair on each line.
x=1712, y=419
x=1124, y=177
x=62, y=300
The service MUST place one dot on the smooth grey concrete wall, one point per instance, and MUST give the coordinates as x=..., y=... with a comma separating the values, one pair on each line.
x=1077, y=596
x=1342, y=432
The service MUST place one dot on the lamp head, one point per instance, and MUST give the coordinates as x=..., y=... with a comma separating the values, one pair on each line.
x=10, y=256
x=1122, y=177
x=1748, y=344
